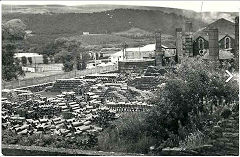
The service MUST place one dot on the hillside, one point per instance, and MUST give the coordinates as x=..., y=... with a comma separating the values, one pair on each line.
x=134, y=32
x=102, y=22
x=47, y=27
x=101, y=39
x=207, y=17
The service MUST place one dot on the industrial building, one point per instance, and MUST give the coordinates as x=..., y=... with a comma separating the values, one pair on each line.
x=36, y=58
x=215, y=41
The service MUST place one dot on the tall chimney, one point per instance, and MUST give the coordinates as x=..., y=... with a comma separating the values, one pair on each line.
x=188, y=27
x=237, y=34
x=213, y=44
x=179, y=44
x=236, y=52
x=158, y=46
x=158, y=49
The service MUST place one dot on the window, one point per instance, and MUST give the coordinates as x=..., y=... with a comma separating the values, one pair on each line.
x=227, y=43
x=201, y=44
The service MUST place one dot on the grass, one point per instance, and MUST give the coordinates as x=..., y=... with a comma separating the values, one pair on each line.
x=193, y=140
x=128, y=135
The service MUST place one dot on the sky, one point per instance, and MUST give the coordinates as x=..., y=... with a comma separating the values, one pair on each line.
x=223, y=6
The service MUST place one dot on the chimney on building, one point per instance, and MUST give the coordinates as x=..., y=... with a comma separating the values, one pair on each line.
x=158, y=48
x=179, y=44
x=213, y=44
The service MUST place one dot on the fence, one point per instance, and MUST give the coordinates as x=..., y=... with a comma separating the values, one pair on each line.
x=52, y=78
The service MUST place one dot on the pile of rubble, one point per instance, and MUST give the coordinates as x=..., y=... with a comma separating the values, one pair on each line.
x=147, y=82
x=64, y=115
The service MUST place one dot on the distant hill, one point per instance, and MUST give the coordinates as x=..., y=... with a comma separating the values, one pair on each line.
x=48, y=22
x=134, y=32
x=102, y=22
x=100, y=39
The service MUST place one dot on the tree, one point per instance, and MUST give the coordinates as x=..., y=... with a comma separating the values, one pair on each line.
x=30, y=60
x=13, y=32
x=11, y=68
x=24, y=60
x=68, y=63
x=45, y=59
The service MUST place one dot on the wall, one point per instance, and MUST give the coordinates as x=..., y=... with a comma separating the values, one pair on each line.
x=52, y=78
x=224, y=140
x=134, y=66
x=17, y=150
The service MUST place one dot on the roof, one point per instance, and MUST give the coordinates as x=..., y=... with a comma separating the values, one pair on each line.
x=150, y=47
x=27, y=55
x=223, y=54
x=224, y=27
x=137, y=60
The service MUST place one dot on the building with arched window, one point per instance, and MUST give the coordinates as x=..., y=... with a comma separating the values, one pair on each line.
x=227, y=43
x=226, y=37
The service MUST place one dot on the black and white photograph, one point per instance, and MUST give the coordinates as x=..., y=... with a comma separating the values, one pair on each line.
x=120, y=78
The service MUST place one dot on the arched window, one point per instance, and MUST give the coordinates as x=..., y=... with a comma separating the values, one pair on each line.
x=201, y=44
x=227, y=43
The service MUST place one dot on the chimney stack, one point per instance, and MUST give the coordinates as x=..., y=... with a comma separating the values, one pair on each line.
x=213, y=44
x=236, y=51
x=188, y=27
x=188, y=42
x=179, y=44
x=158, y=48
x=237, y=34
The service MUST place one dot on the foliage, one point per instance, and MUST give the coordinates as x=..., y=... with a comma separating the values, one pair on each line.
x=104, y=117
x=11, y=68
x=193, y=140
x=86, y=141
x=226, y=113
x=13, y=29
x=182, y=114
x=24, y=60
x=45, y=59
x=126, y=134
x=13, y=32
x=68, y=63
x=180, y=104
x=30, y=60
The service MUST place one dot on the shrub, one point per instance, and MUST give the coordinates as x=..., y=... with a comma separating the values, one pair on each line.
x=193, y=140
x=127, y=134
x=226, y=113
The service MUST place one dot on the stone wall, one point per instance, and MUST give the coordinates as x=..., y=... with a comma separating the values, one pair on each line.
x=52, y=78
x=225, y=137
x=17, y=150
x=224, y=140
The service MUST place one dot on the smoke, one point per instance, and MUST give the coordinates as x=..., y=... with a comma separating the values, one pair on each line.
x=210, y=17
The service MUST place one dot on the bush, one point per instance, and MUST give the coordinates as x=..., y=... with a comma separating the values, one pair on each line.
x=193, y=140
x=226, y=113
x=127, y=134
